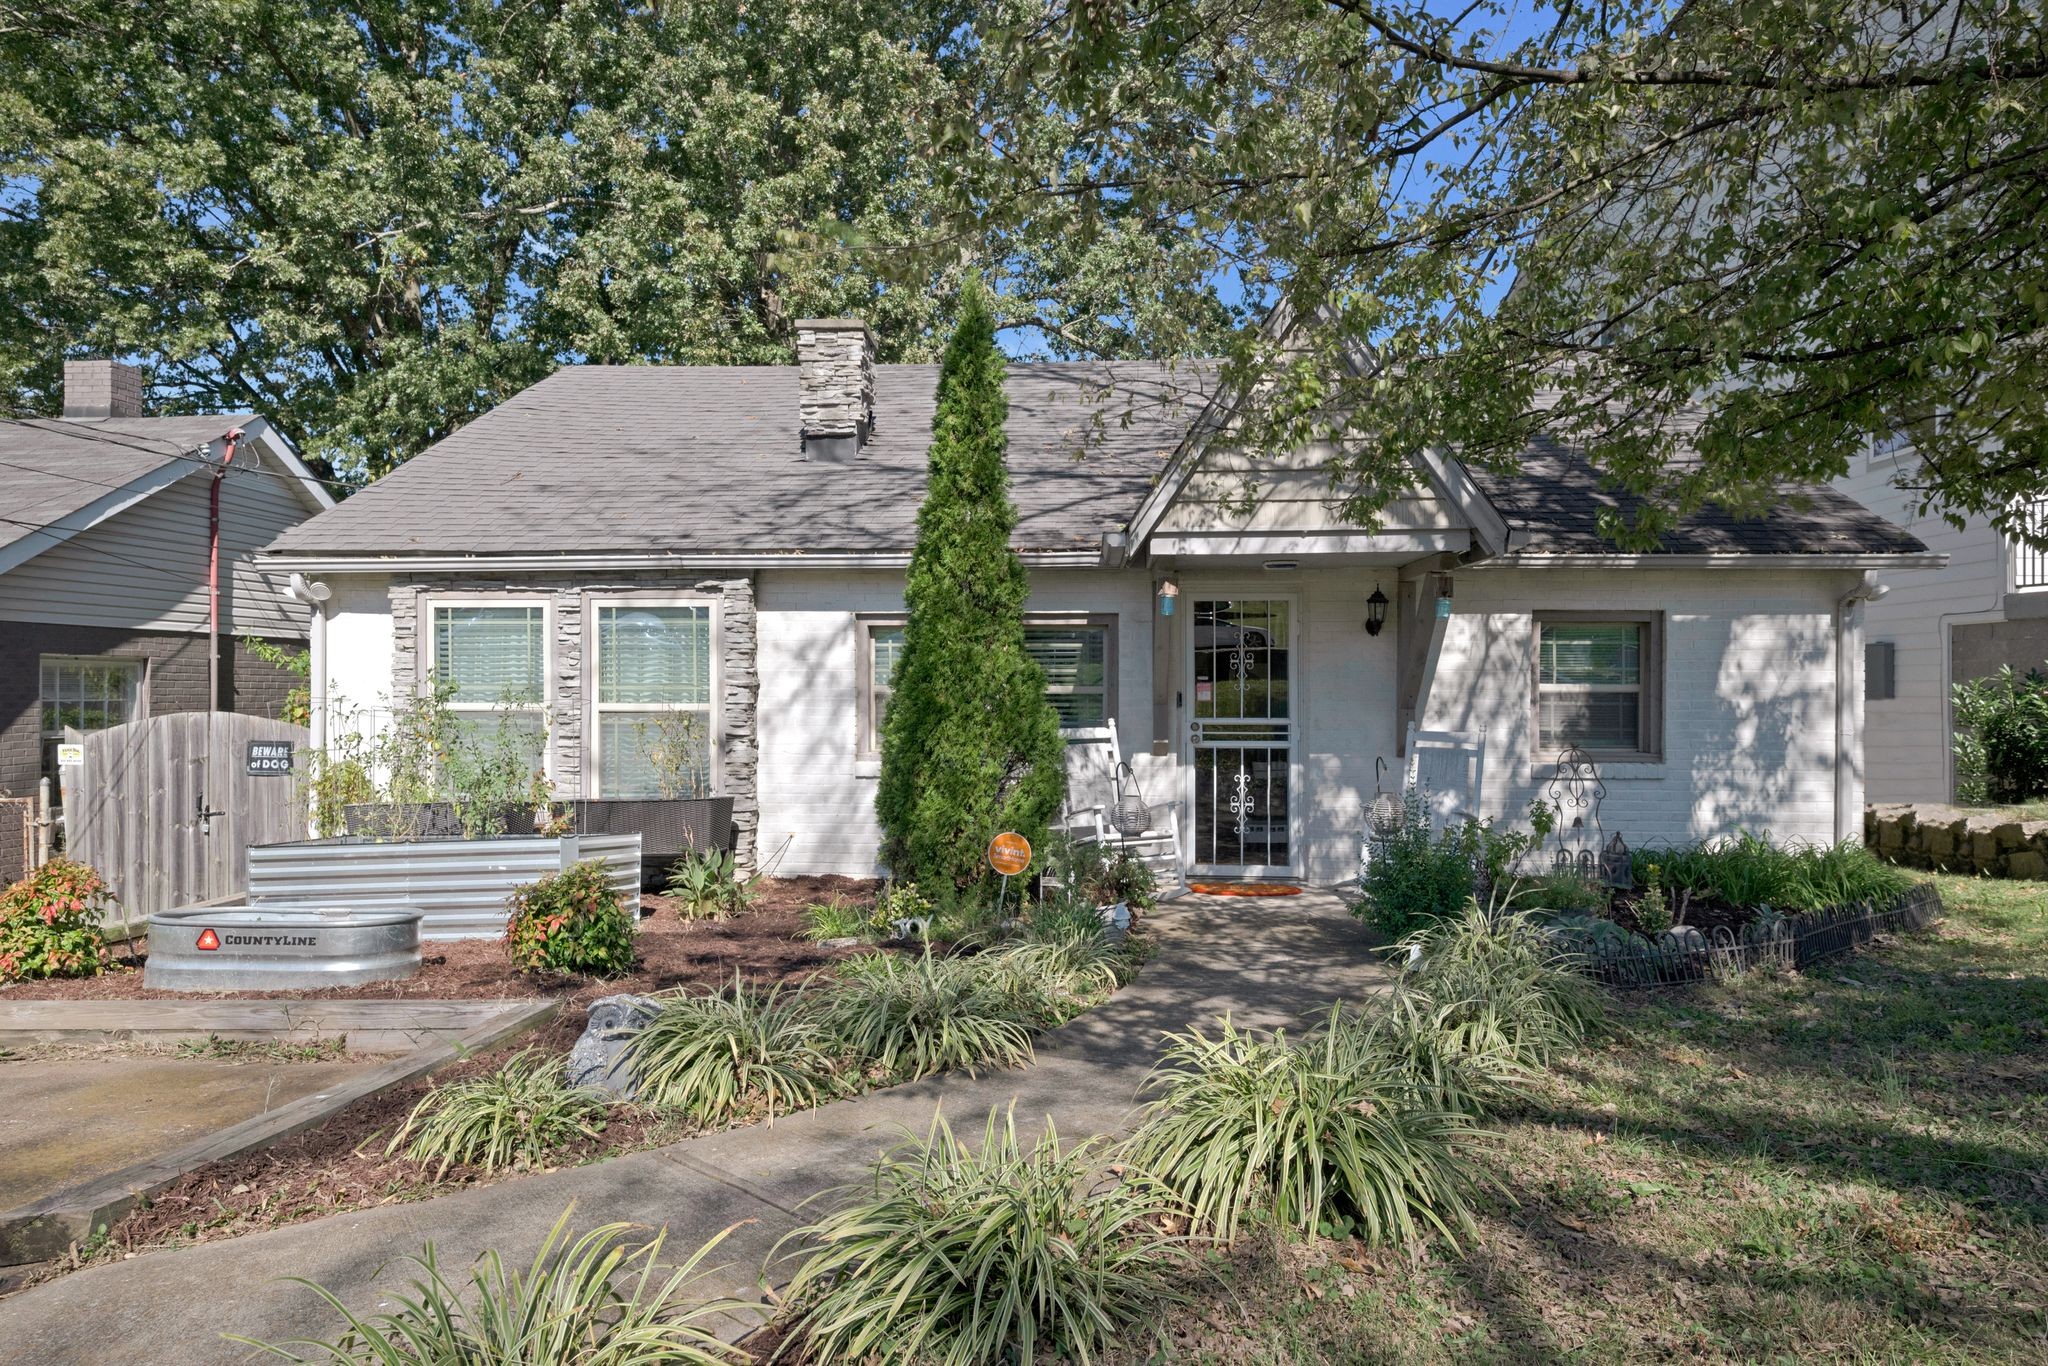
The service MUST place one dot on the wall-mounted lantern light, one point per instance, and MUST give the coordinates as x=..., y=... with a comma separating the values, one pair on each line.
x=1375, y=611
x=1168, y=592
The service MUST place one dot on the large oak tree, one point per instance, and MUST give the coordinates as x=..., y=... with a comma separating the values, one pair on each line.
x=1746, y=239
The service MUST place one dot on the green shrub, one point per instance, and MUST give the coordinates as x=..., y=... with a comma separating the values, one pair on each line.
x=2002, y=737
x=1502, y=986
x=1750, y=872
x=724, y=1054
x=912, y=1016
x=50, y=923
x=900, y=900
x=515, y=1116
x=962, y=1256
x=706, y=885
x=1323, y=1131
x=970, y=745
x=837, y=917
x=1057, y=977
x=571, y=922
x=593, y=1301
x=1443, y=1064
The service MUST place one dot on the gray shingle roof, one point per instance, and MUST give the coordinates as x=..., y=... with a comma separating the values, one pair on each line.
x=52, y=467
x=705, y=460
x=686, y=460
x=1557, y=500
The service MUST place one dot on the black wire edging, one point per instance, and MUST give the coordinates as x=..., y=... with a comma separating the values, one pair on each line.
x=1790, y=942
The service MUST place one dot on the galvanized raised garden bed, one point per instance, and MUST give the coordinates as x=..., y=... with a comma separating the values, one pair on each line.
x=461, y=885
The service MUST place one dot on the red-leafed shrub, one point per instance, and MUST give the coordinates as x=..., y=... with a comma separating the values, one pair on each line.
x=50, y=923
x=571, y=922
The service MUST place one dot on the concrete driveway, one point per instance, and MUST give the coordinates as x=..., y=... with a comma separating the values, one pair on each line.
x=1264, y=961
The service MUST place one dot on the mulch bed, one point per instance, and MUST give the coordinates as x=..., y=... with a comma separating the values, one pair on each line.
x=341, y=1164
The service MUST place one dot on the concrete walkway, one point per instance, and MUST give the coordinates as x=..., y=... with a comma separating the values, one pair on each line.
x=1266, y=962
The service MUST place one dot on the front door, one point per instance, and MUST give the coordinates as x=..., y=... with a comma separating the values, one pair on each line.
x=1241, y=737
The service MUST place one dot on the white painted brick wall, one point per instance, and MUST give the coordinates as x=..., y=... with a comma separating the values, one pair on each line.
x=1749, y=680
x=815, y=799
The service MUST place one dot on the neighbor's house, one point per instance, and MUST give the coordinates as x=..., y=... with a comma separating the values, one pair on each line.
x=105, y=536
x=1938, y=626
x=618, y=541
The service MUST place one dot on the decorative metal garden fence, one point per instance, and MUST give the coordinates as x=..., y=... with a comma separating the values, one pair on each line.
x=1787, y=942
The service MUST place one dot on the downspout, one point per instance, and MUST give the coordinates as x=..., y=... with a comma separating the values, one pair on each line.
x=1848, y=704
x=232, y=439
x=207, y=812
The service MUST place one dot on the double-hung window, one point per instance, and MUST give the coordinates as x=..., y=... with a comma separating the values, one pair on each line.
x=655, y=681
x=1077, y=655
x=86, y=695
x=1598, y=685
x=492, y=658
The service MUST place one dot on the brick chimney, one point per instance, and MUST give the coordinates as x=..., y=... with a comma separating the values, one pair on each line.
x=102, y=388
x=835, y=360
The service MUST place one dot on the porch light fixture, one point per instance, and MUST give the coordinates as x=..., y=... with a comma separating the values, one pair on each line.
x=1169, y=591
x=1375, y=611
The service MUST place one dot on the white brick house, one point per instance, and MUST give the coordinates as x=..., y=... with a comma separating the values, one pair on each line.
x=743, y=533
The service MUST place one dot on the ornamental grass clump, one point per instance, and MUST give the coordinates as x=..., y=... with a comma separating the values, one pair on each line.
x=516, y=1116
x=571, y=922
x=50, y=923
x=912, y=1015
x=1500, y=987
x=1007, y=1253
x=1748, y=872
x=740, y=1050
x=592, y=1300
x=1056, y=977
x=1320, y=1131
x=1444, y=1064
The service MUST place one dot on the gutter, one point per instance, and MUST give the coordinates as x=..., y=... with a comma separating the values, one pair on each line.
x=1848, y=703
x=573, y=563
x=1526, y=559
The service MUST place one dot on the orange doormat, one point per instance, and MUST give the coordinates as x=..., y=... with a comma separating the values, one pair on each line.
x=1245, y=888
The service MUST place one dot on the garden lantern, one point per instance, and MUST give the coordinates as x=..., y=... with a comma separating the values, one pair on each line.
x=1168, y=592
x=1615, y=868
x=1375, y=611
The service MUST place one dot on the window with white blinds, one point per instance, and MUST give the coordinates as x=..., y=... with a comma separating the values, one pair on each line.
x=493, y=659
x=1596, y=686
x=656, y=676
x=1076, y=654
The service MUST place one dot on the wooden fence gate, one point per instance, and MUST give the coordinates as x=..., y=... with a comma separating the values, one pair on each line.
x=17, y=838
x=167, y=808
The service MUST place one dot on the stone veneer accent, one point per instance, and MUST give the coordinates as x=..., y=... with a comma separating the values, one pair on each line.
x=1957, y=840
x=738, y=672
x=835, y=360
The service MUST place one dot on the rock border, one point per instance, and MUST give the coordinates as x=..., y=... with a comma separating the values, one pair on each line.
x=1954, y=839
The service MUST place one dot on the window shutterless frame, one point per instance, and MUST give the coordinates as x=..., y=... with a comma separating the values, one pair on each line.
x=432, y=605
x=1649, y=686
x=871, y=691
x=595, y=709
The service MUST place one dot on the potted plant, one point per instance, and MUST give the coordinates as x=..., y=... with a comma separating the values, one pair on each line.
x=672, y=814
x=439, y=778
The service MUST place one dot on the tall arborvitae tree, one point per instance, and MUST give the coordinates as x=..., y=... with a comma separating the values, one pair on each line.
x=970, y=746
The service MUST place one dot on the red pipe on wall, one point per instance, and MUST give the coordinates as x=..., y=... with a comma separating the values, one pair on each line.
x=233, y=439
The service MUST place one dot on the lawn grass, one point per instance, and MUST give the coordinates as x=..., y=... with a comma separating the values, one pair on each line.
x=1849, y=1164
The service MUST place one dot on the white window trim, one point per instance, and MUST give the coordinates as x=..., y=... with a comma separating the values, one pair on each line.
x=868, y=760
x=430, y=603
x=1649, y=748
x=593, y=728
x=139, y=662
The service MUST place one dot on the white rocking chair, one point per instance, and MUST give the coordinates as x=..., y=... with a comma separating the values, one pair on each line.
x=1157, y=845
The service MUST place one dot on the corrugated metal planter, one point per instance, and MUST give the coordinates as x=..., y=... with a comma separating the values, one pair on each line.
x=669, y=827
x=280, y=947
x=461, y=885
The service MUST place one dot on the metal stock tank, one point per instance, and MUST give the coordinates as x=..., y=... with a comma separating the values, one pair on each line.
x=281, y=946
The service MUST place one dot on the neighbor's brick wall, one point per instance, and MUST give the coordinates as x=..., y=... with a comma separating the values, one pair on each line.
x=174, y=681
x=739, y=676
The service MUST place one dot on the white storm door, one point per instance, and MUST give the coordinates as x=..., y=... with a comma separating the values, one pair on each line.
x=1241, y=736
